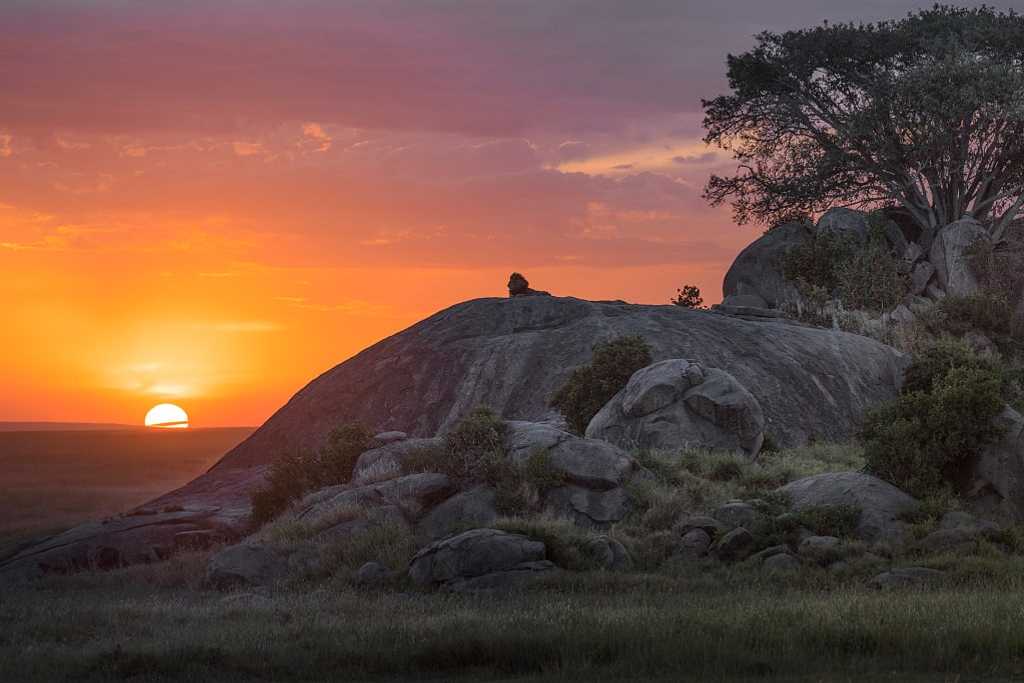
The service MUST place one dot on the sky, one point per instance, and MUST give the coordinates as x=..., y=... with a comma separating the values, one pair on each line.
x=211, y=203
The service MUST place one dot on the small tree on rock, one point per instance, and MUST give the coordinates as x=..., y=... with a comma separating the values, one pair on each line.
x=689, y=297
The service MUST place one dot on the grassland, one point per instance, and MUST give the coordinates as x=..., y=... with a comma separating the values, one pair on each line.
x=672, y=620
x=53, y=479
x=157, y=623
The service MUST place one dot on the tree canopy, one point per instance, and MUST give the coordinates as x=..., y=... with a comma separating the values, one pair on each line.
x=925, y=112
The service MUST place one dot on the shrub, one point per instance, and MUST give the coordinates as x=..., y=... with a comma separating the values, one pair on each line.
x=869, y=279
x=835, y=265
x=476, y=443
x=983, y=312
x=295, y=473
x=689, y=297
x=921, y=440
x=814, y=262
x=591, y=386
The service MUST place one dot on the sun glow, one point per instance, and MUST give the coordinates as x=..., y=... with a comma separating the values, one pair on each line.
x=167, y=416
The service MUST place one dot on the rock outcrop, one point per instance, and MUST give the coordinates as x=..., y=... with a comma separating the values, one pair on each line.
x=680, y=404
x=948, y=255
x=880, y=503
x=757, y=270
x=509, y=354
x=475, y=554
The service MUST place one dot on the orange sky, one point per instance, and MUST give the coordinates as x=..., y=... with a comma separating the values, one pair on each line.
x=212, y=207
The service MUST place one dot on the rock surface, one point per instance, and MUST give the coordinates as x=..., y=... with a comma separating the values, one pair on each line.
x=905, y=576
x=385, y=462
x=995, y=486
x=949, y=256
x=246, y=565
x=880, y=503
x=590, y=463
x=757, y=269
x=475, y=507
x=472, y=554
x=680, y=404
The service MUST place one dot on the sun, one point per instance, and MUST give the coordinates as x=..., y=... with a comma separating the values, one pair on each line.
x=167, y=416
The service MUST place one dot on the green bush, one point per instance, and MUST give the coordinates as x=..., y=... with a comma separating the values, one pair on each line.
x=815, y=261
x=295, y=473
x=591, y=386
x=870, y=279
x=922, y=440
x=476, y=443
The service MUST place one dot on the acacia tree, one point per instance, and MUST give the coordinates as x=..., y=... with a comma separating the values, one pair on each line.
x=926, y=112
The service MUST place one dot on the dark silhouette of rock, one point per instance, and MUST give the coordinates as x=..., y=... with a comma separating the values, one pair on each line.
x=520, y=286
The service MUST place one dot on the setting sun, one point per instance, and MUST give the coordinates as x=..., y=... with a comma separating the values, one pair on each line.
x=167, y=416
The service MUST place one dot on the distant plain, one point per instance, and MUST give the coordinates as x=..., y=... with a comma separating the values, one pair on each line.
x=55, y=478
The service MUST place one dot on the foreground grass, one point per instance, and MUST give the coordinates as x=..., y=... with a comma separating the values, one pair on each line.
x=158, y=623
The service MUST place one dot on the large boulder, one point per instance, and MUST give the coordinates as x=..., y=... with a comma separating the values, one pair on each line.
x=994, y=487
x=949, y=256
x=856, y=226
x=510, y=354
x=385, y=462
x=473, y=553
x=677, y=403
x=589, y=463
x=758, y=268
x=413, y=495
x=246, y=564
x=475, y=507
x=881, y=504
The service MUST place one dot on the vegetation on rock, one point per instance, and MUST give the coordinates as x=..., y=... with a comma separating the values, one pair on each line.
x=295, y=473
x=689, y=297
x=591, y=386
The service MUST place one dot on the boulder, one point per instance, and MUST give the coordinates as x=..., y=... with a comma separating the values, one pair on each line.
x=920, y=276
x=881, y=504
x=412, y=495
x=475, y=508
x=949, y=256
x=385, y=462
x=843, y=222
x=735, y=545
x=471, y=554
x=713, y=527
x=588, y=507
x=905, y=576
x=855, y=225
x=678, y=404
x=758, y=269
x=695, y=543
x=957, y=519
x=822, y=549
x=609, y=553
x=737, y=513
x=781, y=563
x=589, y=463
x=994, y=488
x=958, y=540
x=246, y=564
